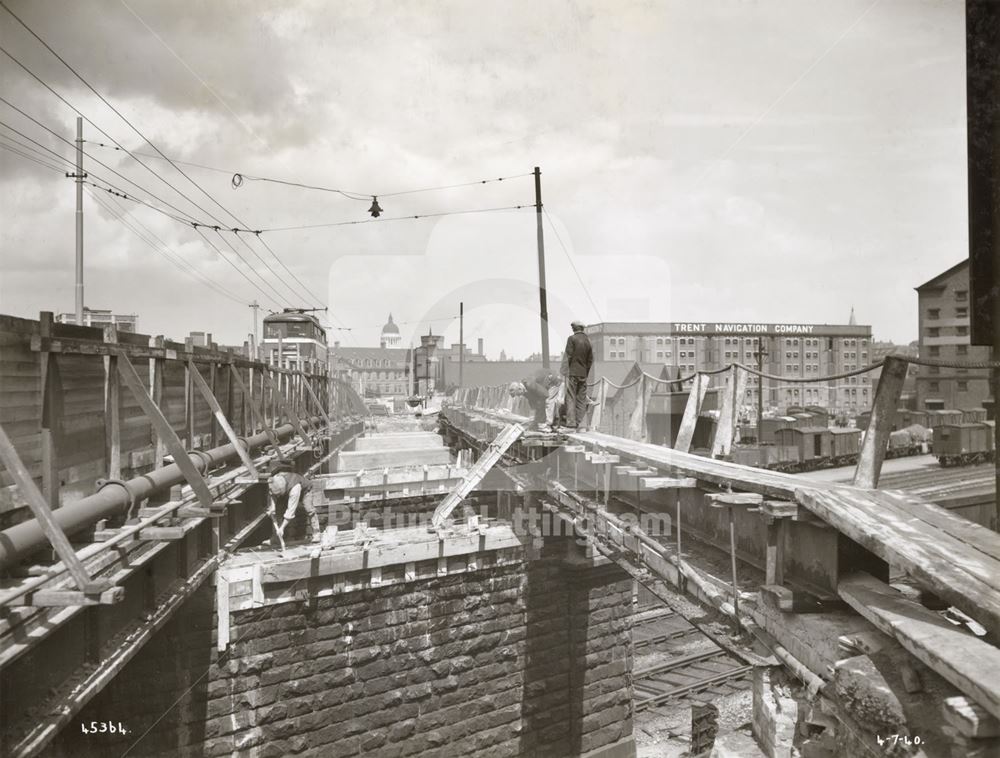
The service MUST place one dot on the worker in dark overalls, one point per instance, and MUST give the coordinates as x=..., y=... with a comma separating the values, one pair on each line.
x=540, y=392
x=287, y=490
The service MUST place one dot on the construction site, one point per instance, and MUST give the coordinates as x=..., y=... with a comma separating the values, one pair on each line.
x=292, y=548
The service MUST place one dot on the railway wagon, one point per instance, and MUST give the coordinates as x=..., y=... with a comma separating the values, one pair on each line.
x=814, y=444
x=943, y=418
x=973, y=415
x=963, y=444
x=770, y=426
x=906, y=417
x=820, y=414
x=845, y=446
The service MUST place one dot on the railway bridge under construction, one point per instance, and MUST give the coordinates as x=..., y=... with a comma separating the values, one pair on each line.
x=478, y=589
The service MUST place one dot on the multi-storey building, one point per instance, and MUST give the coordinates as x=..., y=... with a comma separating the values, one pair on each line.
x=800, y=351
x=943, y=316
x=96, y=317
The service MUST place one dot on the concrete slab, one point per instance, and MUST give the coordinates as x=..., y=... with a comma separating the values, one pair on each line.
x=369, y=459
x=395, y=441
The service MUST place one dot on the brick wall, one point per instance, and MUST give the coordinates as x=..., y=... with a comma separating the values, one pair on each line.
x=528, y=659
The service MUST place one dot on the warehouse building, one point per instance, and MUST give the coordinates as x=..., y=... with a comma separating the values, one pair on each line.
x=791, y=350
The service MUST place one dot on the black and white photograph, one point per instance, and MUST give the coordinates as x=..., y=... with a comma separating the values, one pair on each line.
x=524, y=379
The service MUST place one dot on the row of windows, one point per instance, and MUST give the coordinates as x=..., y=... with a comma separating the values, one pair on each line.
x=937, y=370
x=936, y=386
x=935, y=331
x=935, y=313
x=935, y=350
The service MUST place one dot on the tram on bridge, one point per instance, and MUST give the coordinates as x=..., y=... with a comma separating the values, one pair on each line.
x=295, y=339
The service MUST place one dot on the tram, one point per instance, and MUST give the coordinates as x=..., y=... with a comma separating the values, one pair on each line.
x=295, y=339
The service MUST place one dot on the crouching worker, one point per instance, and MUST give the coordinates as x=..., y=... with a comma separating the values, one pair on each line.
x=538, y=390
x=287, y=490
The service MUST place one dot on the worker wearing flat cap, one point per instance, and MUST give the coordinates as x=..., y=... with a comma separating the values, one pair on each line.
x=537, y=390
x=578, y=357
x=287, y=490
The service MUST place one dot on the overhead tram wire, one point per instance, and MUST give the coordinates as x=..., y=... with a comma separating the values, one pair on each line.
x=189, y=220
x=31, y=158
x=279, y=298
x=160, y=248
x=133, y=128
x=569, y=258
x=91, y=122
x=193, y=223
x=129, y=220
x=394, y=218
x=239, y=270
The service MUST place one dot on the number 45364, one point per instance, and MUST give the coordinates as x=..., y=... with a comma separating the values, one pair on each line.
x=103, y=727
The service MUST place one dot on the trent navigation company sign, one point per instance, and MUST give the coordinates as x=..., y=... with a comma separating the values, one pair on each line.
x=728, y=328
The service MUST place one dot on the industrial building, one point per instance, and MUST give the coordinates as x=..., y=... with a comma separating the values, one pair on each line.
x=790, y=350
x=943, y=308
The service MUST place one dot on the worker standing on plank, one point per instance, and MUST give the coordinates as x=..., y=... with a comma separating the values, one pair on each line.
x=287, y=490
x=578, y=357
x=537, y=390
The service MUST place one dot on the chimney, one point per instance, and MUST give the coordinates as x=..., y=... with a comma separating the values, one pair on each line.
x=480, y=341
x=336, y=345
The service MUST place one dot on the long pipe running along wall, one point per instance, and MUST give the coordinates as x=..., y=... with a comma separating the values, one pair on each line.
x=22, y=539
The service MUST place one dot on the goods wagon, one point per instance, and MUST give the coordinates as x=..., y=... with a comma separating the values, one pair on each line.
x=964, y=444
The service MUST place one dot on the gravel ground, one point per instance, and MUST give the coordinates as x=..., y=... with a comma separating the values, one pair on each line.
x=665, y=732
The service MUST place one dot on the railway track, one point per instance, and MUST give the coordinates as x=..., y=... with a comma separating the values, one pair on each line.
x=648, y=631
x=712, y=672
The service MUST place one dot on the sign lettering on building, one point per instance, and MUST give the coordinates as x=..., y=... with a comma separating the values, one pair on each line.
x=733, y=328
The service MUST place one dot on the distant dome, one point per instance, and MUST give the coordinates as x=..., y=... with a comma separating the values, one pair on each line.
x=390, y=327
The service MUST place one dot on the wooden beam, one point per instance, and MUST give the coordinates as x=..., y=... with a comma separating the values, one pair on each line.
x=691, y=411
x=970, y=664
x=213, y=403
x=890, y=388
x=52, y=413
x=112, y=408
x=256, y=421
x=41, y=511
x=165, y=431
x=668, y=483
x=315, y=399
x=280, y=400
x=732, y=397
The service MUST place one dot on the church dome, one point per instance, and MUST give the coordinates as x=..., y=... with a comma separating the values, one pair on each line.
x=390, y=327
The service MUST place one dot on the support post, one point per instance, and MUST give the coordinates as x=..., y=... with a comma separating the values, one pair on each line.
x=691, y=410
x=156, y=367
x=52, y=413
x=725, y=430
x=213, y=403
x=165, y=431
x=79, y=176
x=317, y=403
x=292, y=418
x=890, y=387
x=41, y=511
x=112, y=406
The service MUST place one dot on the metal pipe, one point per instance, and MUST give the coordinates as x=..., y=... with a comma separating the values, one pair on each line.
x=22, y=539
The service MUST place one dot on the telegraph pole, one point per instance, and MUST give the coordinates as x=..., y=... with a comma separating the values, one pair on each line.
x=79, y=176
x=256, y=307
x=461, y=342
x=761, y=354
x=542, y=300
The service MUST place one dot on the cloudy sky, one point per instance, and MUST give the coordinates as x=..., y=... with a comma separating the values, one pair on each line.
x=757, y=160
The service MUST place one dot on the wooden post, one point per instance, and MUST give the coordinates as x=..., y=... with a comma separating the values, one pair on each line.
x=774, y=568
x=890, y=387
x=156, y=367
x=164, y=430
x=220, y=417
x=113, y=444
x=211, y=384
x=725, y=430
x=189, y=397
x=293, y=419
x=732, y=558
x=319, y=405
x=690, y=418
x=52, y=413
x=41, y=511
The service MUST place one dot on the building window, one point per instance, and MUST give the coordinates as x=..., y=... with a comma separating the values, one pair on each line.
x=933, y=313
x=962, y=349
x=934, y=386
x=961, y=295
x=961, y=313
x=963, y=386
x=935, y=351
x=933, y=370
x=933, y=331
x=961, y=331
x=659, y=353
x=668, y=354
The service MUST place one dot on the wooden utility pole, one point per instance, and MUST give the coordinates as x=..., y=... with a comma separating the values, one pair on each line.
x=256, y=340
x=761, y=354
x=542, y=298
x=461, y=342
x=79, y=176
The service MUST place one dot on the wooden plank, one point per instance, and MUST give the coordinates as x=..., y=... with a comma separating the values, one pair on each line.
x=890, y=388
x=668, y=483
x=719, y=499
x=213, y=403
x=969, y=718
x=732, y=398
x=112, y=407
x=970, y=664
x=691, y=412
x=280, y=400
